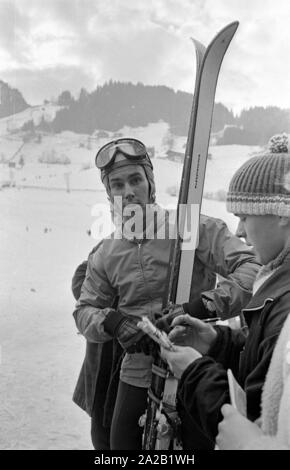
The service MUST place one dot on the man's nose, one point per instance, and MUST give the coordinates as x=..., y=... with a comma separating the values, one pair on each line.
x=240, y=232
x=128, y=193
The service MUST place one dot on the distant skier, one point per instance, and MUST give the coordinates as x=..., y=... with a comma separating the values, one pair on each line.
x=12, y=166
x=21, y=161
x=134, y=269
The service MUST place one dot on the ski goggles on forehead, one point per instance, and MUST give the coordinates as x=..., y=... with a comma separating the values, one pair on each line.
x=132, y=149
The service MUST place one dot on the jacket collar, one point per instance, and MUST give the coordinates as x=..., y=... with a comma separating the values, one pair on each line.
x=275, y=286
x=157, y=219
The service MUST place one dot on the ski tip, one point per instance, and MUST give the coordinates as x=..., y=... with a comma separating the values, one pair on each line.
x=227, y=32
x=199, y=47
x=197, y=43
x=234, y=24
x=231, y=27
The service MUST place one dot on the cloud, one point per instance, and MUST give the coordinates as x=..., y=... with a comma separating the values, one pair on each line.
x=12, y=25
x=134, y=40
x=49, y=82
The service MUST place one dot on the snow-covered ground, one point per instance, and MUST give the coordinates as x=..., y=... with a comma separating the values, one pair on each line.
x=41, y=353
x=43, y=237
x=32, y=113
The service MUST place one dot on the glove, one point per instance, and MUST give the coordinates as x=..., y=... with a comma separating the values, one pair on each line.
x=126, y=331
x=168, y=314
x=145, y=345
x=195, y=309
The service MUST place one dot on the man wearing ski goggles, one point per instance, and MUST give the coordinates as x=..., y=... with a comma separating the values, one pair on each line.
x=132, y=149
x=134, y=270
x=127, y=172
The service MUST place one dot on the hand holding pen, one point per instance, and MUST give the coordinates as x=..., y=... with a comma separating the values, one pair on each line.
x=189, y=331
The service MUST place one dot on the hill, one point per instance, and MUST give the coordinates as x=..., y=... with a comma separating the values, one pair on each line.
x=11, y=100
x=117, y=105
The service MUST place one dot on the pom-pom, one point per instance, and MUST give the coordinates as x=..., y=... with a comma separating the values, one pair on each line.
x=278, y=143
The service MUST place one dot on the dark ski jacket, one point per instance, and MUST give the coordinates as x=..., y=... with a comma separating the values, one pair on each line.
x=203, y=387
x=99, y=375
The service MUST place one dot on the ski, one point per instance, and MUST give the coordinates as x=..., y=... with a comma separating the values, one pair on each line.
x=161, y=410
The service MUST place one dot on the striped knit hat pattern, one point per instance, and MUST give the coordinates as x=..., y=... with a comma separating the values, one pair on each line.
x=261, y=186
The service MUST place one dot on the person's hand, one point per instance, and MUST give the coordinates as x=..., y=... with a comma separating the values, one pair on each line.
x=164, y=320
x=195, y=309
x=189, y=331
x=123, y=327
x=179, y=359
x=235, y=431
x=133, y=339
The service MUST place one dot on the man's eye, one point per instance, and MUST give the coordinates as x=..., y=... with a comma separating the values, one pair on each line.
x=117, y=185
x=135, y=180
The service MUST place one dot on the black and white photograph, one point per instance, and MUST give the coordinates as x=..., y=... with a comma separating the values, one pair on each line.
x=145, y=227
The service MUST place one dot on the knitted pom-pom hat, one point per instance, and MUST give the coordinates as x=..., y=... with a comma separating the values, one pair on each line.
x=261, y=186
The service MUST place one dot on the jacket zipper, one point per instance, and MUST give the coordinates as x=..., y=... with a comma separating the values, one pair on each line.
x=142, y=270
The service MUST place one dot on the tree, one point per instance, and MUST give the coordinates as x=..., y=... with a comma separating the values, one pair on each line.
x=65, y=98
x=221, y=117
x=232, y=135
x=44, y=126
x=28, y=126
x=115, y=105
x=261, y=123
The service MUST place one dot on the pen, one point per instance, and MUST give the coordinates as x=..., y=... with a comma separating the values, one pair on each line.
x=211, y=320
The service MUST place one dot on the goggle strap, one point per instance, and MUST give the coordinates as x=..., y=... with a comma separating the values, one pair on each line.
x=142, y=162
x=130, y=146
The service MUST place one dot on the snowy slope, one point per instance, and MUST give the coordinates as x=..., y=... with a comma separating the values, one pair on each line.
x=35, y=113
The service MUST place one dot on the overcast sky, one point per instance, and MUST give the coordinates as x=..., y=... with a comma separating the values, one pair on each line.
x=54, y=45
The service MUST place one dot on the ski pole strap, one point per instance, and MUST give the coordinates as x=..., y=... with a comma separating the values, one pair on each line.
x=173, y=419
x=153, y=397
x=160, y=371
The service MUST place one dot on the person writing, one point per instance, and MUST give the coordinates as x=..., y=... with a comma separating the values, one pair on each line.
x=259, y=195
